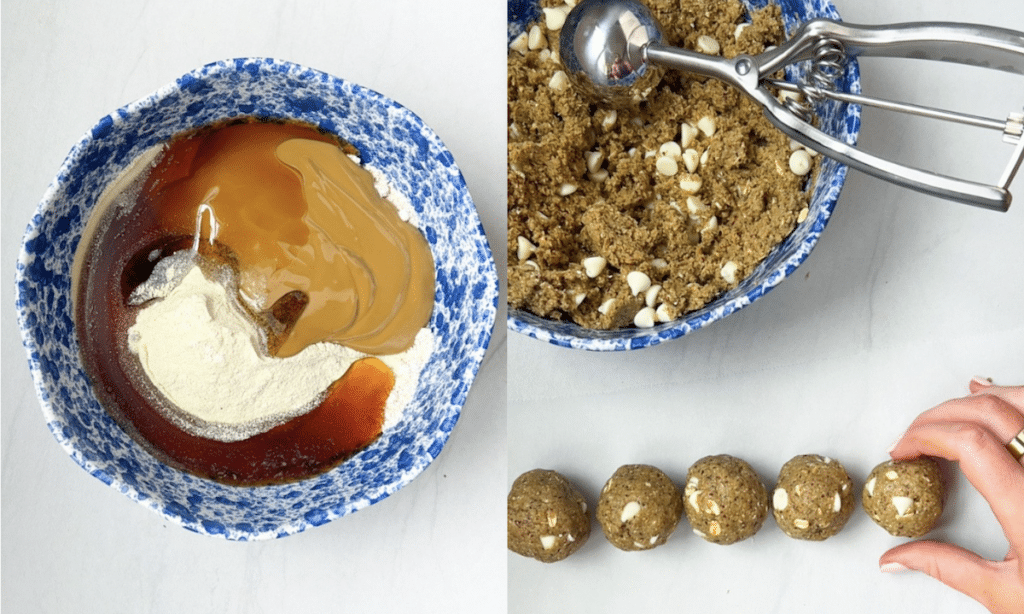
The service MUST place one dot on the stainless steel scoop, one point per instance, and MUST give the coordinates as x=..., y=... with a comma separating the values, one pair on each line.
x=612, y=50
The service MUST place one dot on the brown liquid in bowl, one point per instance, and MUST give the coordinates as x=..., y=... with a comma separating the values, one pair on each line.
x=267, y=236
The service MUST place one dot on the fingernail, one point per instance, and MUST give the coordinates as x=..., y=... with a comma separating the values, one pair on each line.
x=895, y=443
x=984, y=382
x=893, y=567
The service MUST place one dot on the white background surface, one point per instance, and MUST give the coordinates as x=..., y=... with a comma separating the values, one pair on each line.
x=902, y=301
x=70, y=543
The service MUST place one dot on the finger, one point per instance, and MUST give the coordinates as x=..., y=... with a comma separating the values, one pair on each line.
x=990, y=410
x=984, y=461
x=992, y=584
x=1014, y=395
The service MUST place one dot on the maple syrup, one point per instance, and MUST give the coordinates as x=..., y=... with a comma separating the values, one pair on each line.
x=314, y=262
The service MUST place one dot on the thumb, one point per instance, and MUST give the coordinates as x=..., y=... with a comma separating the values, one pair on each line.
x=960, y=569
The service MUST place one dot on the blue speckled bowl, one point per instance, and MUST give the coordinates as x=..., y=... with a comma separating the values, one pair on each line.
x=392, y=139
x=840, y=120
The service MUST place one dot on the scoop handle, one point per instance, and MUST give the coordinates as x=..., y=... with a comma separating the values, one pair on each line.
x=976, y=45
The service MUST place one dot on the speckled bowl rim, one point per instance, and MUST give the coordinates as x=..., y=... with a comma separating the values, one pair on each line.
x=825, y=197
x=485, y=295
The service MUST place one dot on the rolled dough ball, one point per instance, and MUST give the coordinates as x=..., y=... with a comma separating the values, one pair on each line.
x=547, y=516
x=725, y=499
x=813, y=498
x=639, y=507
x=905, y=498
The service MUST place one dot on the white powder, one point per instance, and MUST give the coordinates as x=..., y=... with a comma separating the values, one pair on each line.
x=203, y=353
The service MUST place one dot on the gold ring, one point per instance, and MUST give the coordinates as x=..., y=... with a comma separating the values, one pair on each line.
x=1016, y=446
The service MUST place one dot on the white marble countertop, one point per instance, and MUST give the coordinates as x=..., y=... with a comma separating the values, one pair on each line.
x=903, y=300
x=70, y=543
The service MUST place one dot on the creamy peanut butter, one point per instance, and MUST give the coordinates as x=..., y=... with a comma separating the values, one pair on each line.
x=301, y=217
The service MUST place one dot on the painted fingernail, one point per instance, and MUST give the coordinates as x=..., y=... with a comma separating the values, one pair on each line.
x=893, y=567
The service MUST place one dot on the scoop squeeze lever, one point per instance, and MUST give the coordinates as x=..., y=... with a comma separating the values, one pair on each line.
x=613, y=52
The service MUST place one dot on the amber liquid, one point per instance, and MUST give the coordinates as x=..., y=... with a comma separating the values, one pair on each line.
x=352, y=413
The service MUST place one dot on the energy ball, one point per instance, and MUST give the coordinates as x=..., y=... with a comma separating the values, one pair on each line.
x=725, y=499
x=813, y=499
x=905, y=497
x=547, y=516
x=639, y=507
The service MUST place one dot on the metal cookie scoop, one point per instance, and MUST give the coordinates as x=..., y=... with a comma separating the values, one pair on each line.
x=612, y=51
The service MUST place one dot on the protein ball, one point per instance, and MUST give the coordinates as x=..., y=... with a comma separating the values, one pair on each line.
x=725, y=499
x=547, y=516
x=813, y=498
x=905, y=497
x=639, y=507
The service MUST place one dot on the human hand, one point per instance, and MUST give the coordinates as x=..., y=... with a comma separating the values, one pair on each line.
x=973, y=430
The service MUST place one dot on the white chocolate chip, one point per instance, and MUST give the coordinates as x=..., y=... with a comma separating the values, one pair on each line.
x=548, y=541
x=654, y=539
x=594, y=266
x=609, y=119
x=800, y=523
x=559, y=81
x=692, y=498
x=706, y=125
x=802, y=215
x=712, y=508
x=638, y=282
x=532, y=264
x=594, y=160
x=544, y=55
x=644, y=318
x=579, y=298
x=670, y=148
x=708, y=45
x=714, y=528
x=780, y=499
x=691, y=183
x=837, y=503
x=692, y=483
x=704, y=157
x=687, y=133
x=891, y=475
x=520, y=43
x=525, y=248
x=606, y=306
x=739, y=30
x=599, y=176
x=554, y=18
x=902, y=505
x=691, y=158
x=630, y=510
x=800, y=162
x=660, y=263
x=667, y=166
x=566, y=189
x=651, y=295
x=569, y=537
x=870, y=487
x=536, y=39
x=711, y=224
x=729, y=272
x=664, y=313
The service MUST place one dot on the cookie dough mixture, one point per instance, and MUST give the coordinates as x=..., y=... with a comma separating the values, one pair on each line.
x=547, y=516
x=725, y=499
x=636, y=216
x=813, y=498
x=905, y=498
x=639, y=507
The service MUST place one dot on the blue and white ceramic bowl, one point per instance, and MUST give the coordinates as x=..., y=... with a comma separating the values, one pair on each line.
x=392, y=139
x=838, y=119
